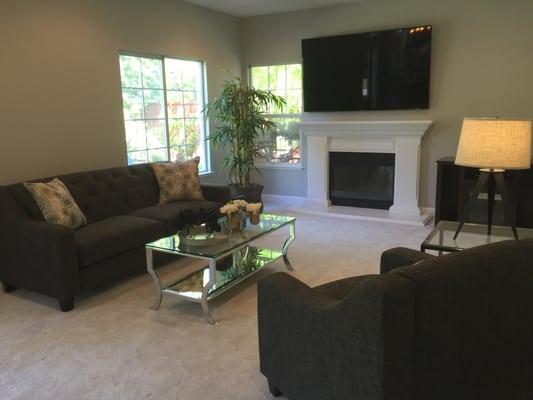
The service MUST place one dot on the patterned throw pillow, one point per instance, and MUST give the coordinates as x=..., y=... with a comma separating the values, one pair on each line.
x=56, y=203
x=178, y=180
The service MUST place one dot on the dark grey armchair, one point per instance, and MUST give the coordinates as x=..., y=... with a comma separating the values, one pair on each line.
x=455, y=327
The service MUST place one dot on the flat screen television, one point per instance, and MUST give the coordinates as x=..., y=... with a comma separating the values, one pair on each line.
x=385, y=70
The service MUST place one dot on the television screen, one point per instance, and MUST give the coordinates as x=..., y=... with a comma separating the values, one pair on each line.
x=386, y=70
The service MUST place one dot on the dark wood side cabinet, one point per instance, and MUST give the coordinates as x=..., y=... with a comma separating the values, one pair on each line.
x=455, y=183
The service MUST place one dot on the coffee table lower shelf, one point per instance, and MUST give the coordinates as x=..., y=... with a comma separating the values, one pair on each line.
x=191, y=287
x=208, y=283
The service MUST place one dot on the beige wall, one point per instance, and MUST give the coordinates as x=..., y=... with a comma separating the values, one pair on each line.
x=60, y=101
x=482, y=65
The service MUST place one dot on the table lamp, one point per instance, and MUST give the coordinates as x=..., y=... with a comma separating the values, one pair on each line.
x=493, y=145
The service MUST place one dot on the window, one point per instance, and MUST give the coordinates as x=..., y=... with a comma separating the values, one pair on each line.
x=282, y=146
x=163, y=99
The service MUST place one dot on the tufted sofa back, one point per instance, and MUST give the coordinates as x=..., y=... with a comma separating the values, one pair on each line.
x=102, y=193
x=9, y=207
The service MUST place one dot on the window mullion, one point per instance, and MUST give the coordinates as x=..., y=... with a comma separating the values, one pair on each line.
x=184, y=120
x=144, y=113
x=166, y=107
x=204, y=123
x=286, y=89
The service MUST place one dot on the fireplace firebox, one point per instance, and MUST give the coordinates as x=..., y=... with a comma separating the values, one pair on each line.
x=361, y=179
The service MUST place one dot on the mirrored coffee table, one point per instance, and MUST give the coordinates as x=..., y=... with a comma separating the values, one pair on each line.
x=240, y=259
x=441, y=237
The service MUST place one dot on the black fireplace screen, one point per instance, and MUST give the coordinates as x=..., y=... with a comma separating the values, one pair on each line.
x=361, y=179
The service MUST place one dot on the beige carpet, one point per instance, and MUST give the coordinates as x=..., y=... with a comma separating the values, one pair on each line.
x=112, y=346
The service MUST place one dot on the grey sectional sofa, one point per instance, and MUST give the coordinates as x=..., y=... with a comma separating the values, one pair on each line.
x=122, y=211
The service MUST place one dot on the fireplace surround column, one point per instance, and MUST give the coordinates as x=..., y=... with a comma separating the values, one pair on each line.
x=317, y=170
x=406, y=175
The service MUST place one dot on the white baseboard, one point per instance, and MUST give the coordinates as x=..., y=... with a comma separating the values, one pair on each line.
x=284, y=200
x=282, y=197
x=428, y=210
x=300, y=204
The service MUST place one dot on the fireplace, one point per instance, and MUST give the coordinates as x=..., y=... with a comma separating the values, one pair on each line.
x=401, y=138
x=361, y=179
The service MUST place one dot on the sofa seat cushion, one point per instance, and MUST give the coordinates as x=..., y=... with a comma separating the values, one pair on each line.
x=115, y=235
x=168, y=213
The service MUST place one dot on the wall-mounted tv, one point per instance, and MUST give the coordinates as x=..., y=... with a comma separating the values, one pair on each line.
x=385, y=70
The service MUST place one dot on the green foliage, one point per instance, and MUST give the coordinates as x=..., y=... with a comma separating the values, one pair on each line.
x=239, y=123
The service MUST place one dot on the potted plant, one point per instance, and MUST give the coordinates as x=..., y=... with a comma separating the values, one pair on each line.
x=240, y=121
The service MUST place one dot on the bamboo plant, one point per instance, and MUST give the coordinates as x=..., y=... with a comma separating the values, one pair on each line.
x=240, y=120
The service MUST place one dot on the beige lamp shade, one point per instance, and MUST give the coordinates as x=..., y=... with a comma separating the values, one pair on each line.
x=495, y=143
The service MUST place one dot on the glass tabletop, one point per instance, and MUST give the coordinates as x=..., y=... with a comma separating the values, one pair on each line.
x=268, y=223
x=471, y=235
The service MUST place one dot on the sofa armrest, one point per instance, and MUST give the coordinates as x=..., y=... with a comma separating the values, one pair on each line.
x=218, y=193
x=283, y=285
x=40, y=256
x=401, y=257
x=316, y=346
x=306, y=336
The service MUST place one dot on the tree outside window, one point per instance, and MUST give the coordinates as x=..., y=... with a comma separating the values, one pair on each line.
x=282, y=146
x=163, y=99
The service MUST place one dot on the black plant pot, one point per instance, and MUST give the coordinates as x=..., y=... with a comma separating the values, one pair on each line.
x=251, y=193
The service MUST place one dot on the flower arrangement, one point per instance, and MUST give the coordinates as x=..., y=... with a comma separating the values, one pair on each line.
x=230, y=208
x=234, y=210
x=242, y=204
x=254, y=208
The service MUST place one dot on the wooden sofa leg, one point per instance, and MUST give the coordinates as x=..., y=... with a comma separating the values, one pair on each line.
x=7, y=287
x=274, y=390
x=66, y=304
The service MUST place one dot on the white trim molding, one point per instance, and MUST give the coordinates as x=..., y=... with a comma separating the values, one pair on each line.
x=296, y=204
x=385, y=128
x=399, y=137
x=285, y=166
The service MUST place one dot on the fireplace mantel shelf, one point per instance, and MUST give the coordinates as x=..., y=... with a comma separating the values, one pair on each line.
x=415, y=128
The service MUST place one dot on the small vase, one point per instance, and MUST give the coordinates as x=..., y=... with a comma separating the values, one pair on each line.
x=235, y=222
x=255, y=218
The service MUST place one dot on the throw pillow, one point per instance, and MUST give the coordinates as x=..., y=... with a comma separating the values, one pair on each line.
x=178, y=180
x=56, y=203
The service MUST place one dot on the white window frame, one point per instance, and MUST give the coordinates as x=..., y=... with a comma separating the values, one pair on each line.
x=204, y=121
x=261, y=163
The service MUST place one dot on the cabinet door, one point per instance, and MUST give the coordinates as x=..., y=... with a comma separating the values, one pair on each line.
x=448, y=192
x=479, y=212
x=523, y=187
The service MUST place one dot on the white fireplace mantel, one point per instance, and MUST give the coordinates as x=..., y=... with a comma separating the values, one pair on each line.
x=399, y=137
x=351, y=128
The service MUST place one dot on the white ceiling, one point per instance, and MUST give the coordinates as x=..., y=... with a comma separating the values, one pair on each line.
x=249, y=8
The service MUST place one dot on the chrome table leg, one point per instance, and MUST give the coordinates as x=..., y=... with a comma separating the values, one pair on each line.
x=286, y=245
x=157, y=282
x=205, y=292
